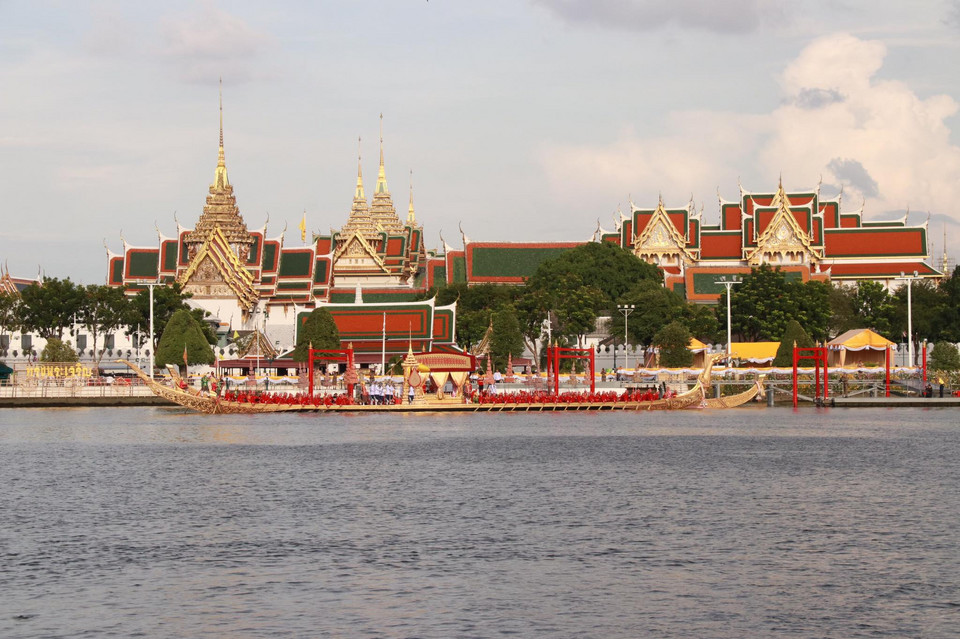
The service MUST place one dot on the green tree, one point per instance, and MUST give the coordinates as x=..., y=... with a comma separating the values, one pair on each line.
x=944, y=357
x=58, y=351
x=105, y=310
x=929, y=305
x=318, y=329
x=8, y=312
x=875, y=308
x=766, y=300
x=793, y=333
x=183, y=331
x=507, y=339
x=843, y=317
x=603, y=266
x=654, y=308
x=49, y=307
x=674, y=341
x=701, y=320
x=950, y=315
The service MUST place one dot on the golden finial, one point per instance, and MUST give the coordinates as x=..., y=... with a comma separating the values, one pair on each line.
x=381, y=175
x=221, y=112
x=359, y=194
x=411, y=217
x=220, y=178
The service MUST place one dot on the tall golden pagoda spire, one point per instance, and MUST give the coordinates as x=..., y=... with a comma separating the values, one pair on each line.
x=411, y=217
x=221, y=210
x=359, y=194
x=220, y=177
x=381, y=174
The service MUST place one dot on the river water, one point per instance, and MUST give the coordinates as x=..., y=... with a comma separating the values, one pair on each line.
x=743, y=523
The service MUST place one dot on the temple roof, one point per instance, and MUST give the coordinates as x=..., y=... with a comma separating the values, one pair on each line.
x=221, y=208
x=381, y=215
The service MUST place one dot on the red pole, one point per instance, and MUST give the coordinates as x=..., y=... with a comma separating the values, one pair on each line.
x=310, y=360
x=794, y=376
x=556, y=370
x=816, y=377
x=826, y=374
x=593, y=373
x=350, y=371
x=887, y=365
x=924, y=363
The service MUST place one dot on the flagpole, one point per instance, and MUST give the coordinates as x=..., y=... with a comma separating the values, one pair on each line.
x=383, y=346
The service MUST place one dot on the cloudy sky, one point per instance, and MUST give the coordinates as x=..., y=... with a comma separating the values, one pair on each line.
x=520, y=120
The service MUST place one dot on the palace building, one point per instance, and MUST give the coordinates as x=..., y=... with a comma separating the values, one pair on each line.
x=374, y=273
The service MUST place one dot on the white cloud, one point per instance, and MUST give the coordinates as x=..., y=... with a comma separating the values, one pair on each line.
x=212, y=44
x=645, y=15
x=875, y=137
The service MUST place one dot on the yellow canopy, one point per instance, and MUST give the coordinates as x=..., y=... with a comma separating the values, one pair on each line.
x=860, y=339
x=696, y=345
x=757, y=352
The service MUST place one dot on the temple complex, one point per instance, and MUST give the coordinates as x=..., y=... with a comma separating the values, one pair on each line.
x=374, y=272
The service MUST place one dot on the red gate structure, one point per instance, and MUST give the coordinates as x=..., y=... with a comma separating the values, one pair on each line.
x=339, y=355
x=819, y=356
x=556, y=353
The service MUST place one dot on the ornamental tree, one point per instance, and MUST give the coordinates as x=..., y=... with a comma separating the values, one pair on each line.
x=792, y=333
x=318, y=329
x=944, y=357
x=183, y=332
x=58, y=351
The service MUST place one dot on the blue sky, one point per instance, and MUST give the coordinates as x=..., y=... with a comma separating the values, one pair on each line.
x=520, y=120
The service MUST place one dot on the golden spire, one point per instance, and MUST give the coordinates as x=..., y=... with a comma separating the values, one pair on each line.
x=411, y=217
x=220, y=177
x=359, y=194
x=381, y=174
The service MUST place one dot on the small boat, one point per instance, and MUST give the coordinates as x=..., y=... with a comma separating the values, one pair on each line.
x=212, y=404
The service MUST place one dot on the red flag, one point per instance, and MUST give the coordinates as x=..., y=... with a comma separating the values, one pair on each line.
x=185, y=355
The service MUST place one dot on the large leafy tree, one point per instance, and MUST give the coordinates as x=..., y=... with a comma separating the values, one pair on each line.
x=654, y=308
x=875, y=308
x=929, y=305
x=8, y=312
x=105, y=310
x=318, y=329
x=674, y=341
x=576, y=287
x=843, y=317
x=603, y=266
x=47, y=308
x=765, y=301
x=950, y=315
x=183, y=332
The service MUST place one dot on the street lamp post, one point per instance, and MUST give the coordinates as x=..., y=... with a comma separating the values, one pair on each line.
x=909, y=280
x=729, y=285
x=626, y=309
x=150, y=285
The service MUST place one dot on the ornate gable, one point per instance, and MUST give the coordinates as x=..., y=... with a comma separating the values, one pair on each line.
x=216, y=271
x=783, y=242
x=661, y=242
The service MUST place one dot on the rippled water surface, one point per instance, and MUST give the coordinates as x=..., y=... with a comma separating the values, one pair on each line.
x=740, y=523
